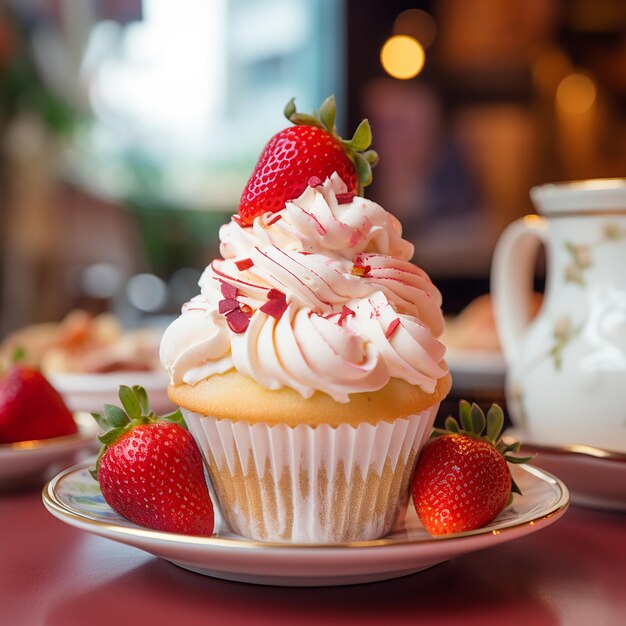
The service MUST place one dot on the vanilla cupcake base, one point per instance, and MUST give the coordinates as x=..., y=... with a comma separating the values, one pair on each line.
x=311, y=484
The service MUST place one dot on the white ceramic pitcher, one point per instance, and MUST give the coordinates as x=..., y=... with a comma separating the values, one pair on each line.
x=566, y=380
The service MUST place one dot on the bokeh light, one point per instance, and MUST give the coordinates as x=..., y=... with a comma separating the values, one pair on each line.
x=147, y=292
x=576, y=93
x=184, y=284
x=550, y=69
x=402, y=57
x=417, y=24
x=100, y=280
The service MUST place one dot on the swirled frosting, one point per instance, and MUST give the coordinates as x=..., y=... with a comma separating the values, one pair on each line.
x=357, y=311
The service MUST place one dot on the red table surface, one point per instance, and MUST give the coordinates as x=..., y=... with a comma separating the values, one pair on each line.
x=573, y=572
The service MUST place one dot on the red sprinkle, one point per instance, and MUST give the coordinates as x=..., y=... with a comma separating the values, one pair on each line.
x=275, y=307
x=361, y=270
x=229, y=291
x=314, y=181
x=344, y=198
x=244, y=264
x=275, y=294
x=392, y=327
x=274, y=220
x=227, y=306
x=237, y=321
x=345, y=312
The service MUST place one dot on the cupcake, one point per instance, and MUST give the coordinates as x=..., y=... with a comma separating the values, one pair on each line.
x=309, y=370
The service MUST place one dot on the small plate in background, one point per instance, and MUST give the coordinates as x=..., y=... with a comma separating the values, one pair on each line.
x=89, y=392
x=595, y=477
x=27, y=462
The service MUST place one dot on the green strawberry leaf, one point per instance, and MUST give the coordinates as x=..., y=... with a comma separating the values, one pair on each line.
x=130, y=402
x=101, y=420
x=328, y=112
x=504, y=448
x=362, y=138
x=142, y=397
x=465, y=413
x=112, y=435
x=115, y=416
x=452, y=425
x=371, y=156
x=290, y=108
x=495, y=422
x=438, y=432
x=93, y=470
x=517, y=459
x=478, y=420
x=363, y=170
x=176, y=417
x=302, y=119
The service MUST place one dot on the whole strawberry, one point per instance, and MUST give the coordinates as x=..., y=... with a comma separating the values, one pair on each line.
x=31, y=408
x=462, y=480
x=309, y=149
x=150, y=469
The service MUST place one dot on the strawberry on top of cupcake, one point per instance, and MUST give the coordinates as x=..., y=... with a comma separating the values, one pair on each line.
x=309, y=149
x=315, y=291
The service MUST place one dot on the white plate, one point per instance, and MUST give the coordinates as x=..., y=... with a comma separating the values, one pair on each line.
x=21, y=463
x=89, y=392
x=475, y=370
x=595, y=477
x=74, y=497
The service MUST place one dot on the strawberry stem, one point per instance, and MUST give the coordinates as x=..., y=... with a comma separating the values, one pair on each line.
x=473, y=422
x=116, y=422
x=356, y=149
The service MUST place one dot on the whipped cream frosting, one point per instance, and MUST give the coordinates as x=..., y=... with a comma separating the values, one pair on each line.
x=358, y=312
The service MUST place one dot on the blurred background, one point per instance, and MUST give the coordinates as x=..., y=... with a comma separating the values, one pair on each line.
x=128, y=129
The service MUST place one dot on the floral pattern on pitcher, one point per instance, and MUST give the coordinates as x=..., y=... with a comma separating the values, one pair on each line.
x=581, y=254
x=516, y=398
x=563, y=334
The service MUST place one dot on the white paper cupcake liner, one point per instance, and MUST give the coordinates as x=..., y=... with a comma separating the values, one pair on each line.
x=306, y=484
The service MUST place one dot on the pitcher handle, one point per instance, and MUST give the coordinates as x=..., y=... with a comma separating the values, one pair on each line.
x=512, y=272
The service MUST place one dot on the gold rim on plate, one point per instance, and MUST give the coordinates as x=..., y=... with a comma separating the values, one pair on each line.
x=577, y=449
x=86, y=430
x=53, y=503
